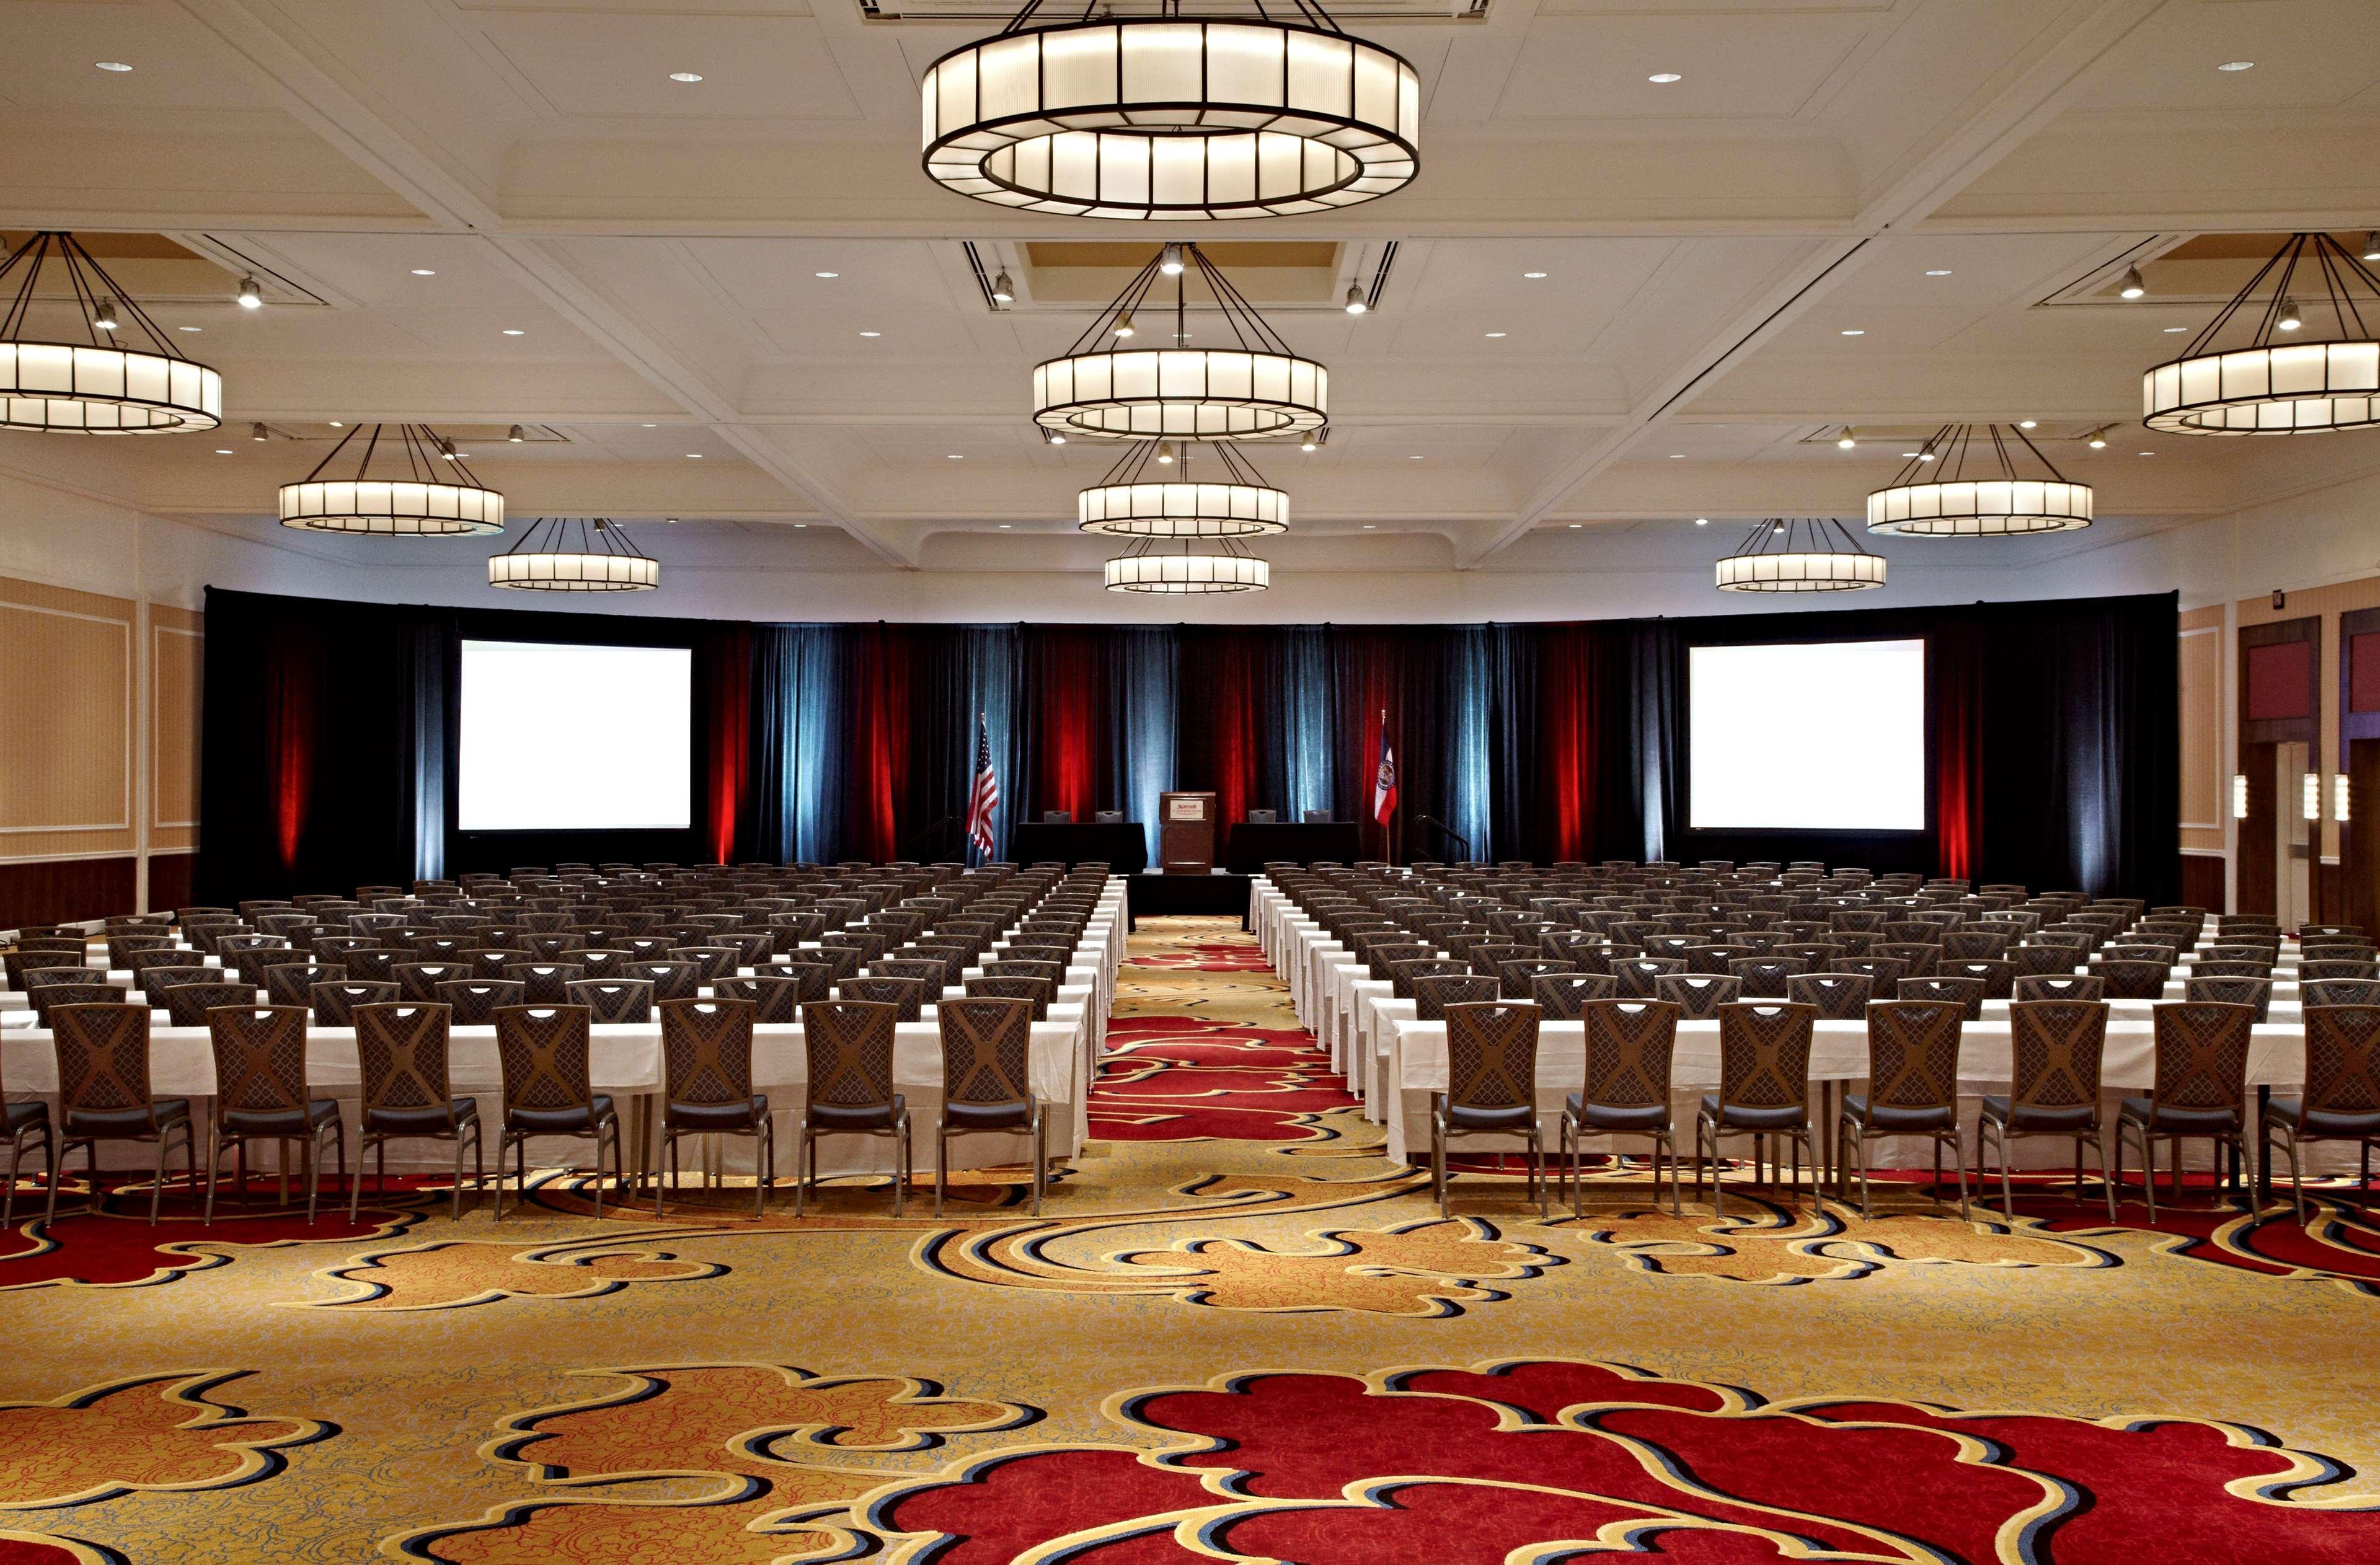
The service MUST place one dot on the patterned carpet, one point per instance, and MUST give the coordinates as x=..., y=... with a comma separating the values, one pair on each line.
x=1237, y=1334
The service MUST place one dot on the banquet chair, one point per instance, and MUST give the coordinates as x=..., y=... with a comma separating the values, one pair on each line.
x=186, y=1004
x=261, y=1095
x=45, y=998
x=612, y=1001
x=1432, y=996
x=776, y=1000
x=1403, y=973
x=2041, y=961
x=1965, y=993
x=2254, y=993
x=377, y=964
x=402, y=1049
x=707, y=1066
x=2202, y=1080
x=931, y=976
x=24, y=1124
x=842, y=962
x=1917, y=957
x=850, y=1047
x=2055, y=1047
x=2228, y=967
x=1697, y=996
x=671, y=979
x=1764, y=1086
x=103, y=1095
x=1514, y=975
x=473, y=1002
x=2129, y=978
x=1765, y=977
x=988, y=1082
x=1036, y=992
x=1635, y=976
x=1563, y=996
x=1491, y=1086
x=2342, y=1094
x=335, y=1004
x=2087, y=986
x=2328, y=968
x=906, y=995
x=121, y=948
x=544, y=983
x=1629, y=1047
x=1835, y=997
x=1912, y=1048
x=542, y=1051
x=2338, y=991
x=420, y=980
x=1997, y=976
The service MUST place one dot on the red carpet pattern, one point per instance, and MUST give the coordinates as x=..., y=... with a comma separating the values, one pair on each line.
x=1183, y=1078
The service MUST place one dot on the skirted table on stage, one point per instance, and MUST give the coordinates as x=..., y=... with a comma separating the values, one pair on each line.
x=1255, y=844
x=1123, y=847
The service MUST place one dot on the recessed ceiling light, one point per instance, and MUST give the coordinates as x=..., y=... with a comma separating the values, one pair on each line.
x=1677, y=456
x=189, y=328
x=652, y=426
x=1854, y=332
x=1495, y=334
x=423, y=272
x=223, y=450
x=872, y=333
x=337, y=425
x=1664, y=77
x=1533, y=276
x=826, y=273
x=685, y=76
x=1907, y=456
x=801, y=524
x=2237, y=66
x=2148, y=453
x=515, y=332
x=117, y=66
x=1369, y=527
x=2171, y=330
x=958, y=456
x=1575, y=525
x=1414, y=458
x=693, y=456
x=1004, y=527
x=2028, y=423
x=1939, y=272
x=1702, y=521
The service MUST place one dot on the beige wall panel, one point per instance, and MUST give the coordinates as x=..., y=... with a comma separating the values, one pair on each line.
x=2202, y=781
x=175, y=651
x=66, y=732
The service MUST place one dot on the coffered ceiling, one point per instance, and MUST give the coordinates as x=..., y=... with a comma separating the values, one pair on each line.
x=1884, y=215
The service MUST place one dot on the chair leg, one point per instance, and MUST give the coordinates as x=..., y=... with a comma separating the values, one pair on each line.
x=2297, y=1178
x=1719, y=1181
x=908, y=1147
x=1438, y=1163
x=214, y=1166
x=598, y=1183
x=1859, y=1149
x=765, y=1176
x=8, y=1202
x=1537, y=1168
x=1959, y=1151
x=1040, y=1156
x=942, y=1162
x=157, y=1191
x=669, y=1156
x=364, y=1144
x=1677, y=1206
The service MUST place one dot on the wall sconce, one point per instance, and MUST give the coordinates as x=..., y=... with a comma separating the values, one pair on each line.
x=2239, y=795
x=2339, y=797
x=2313, y=795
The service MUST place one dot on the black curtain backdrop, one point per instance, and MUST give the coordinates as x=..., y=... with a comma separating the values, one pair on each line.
x=327, y=747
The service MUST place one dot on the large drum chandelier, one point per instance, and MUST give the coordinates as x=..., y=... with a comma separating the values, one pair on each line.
x=433, y=494
x=1801, y=554
x=2310, y=363
x=1195, y=570
x=1106, y=388
x=1938, y=495
x=1166, y=117
x=1134, y=501
x=125, y=378
x=597, y=557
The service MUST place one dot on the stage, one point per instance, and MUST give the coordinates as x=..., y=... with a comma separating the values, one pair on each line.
x=1155, y=894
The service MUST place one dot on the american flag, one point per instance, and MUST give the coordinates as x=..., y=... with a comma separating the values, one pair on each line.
x=986, y=797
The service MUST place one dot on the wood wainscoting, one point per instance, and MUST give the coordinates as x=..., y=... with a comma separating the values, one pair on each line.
x=2201, y=881
x=53, y=891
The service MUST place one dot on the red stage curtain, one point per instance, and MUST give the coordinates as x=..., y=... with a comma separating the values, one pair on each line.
x=1568, y=719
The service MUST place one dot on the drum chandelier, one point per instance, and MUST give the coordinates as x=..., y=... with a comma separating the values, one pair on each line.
x=433, y=494
x=1959, y=487
x=1138, y=498
x=605, y=560
x=1166, y=117
x=1107, y=388
x=2310, y=361
x=125, y=378
x=1195, y=570
x=1801, y=554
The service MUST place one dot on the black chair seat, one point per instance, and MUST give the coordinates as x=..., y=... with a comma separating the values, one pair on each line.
x=1618, y=1117
x=1517, y=1117
x=23, y=1117
x=717, y=1116
x=429, y=1120
x=2169, y=1121
x=576, y=1119
x=318, y=1112
x=1016, y=1115
x=1743, y=1116
x=864, y=1116
x=2323, y=1122
x=1897, y=1117
x=2073, y=1117
x=128, y=1122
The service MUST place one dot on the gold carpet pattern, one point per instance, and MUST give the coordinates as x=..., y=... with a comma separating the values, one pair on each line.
x=1235, y=1333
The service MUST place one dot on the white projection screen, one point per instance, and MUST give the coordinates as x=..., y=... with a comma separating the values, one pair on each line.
x=565, y=739
x=1819, y=737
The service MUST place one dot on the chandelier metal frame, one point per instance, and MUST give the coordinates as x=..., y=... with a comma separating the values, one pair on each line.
x=1801, y=554
x=1256, y=389
x=1997, y=503
x=1131, y=503
x=2285, y=387
x=1167, y=118
x=420, y=504
x=1199, y=567
x=606, y=560
x=98, y=386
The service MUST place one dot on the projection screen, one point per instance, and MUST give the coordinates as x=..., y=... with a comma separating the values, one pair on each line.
x=1824, y=737
x=557, y=737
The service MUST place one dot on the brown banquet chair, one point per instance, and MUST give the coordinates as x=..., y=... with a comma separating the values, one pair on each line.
x=1764, y=1086
x=1629, y=1047
x=260, y=1095
x=543, y=1050
x=707, y=1059
x=1492, y=1085
x=2341, y=1101
x=1912, y=1086
x=2056, y=1048
x=402, y=1047
x=25, y=1124
x=988, y=1082
x=2201, y=1084
x=103, y=1095
x=850, y=1045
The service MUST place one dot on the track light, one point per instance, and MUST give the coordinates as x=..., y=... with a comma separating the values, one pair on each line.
x=1123, y=324
x=252, y=295
x=447, y=449
x=1314, y=440
x=2097, y=439
x=259, y=433
x=1051, y=437
x=2292, y=317
x=1849, y=440
x=2132, y=287
x=1165, y=453
x=1356, y=305
x=1168, y=261
x=514, y=435
x=2372, y=245
x=105, y=316
x=1002, y=290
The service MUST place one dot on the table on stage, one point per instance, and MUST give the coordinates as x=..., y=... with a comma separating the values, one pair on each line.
x=1254, y=843
x=1123, y=847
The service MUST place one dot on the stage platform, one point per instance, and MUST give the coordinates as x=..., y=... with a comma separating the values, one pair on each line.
x=1158, y=894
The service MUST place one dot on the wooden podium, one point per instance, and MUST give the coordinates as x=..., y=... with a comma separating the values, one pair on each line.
x=1186, y=838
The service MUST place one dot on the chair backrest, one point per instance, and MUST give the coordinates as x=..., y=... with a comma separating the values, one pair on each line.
x=2202, y=1054
x=849, y=1044
x=1637, y=976
x=401, y=1046
x=2342, y=1068
x=475, y=1001
x=1698, y=996
x=2329, y=967
x=186, y=1004
x=671, y=980
x=1629, y=1047
x=2254, y=993
x=815, y=980
x=2132, y=979
x=2055, y=1047
x=1913, y=1050
x=1563, y=996
x=1965, y=993
x=1403, y=974
x=706, y=1050
x=931, y=975
x=102, y=1058
x=1916, y=957
x=335, y=1004
x=544, y=983
x=775, y=999
x=1837, y=997
x=45, y=998
x=260, y=1059
x=2338, y=991
x=1491, y=1054
x=2058, y=985
x=1432, y=996
x=906, y=995
x=1997, y=976
x=1763, y=1054
x=611, y=1001
x=543, y=1050
x=987, y=1050
x=1381, y=957
x=2228, y=967
x=1035, y=992
x=1515, y=975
